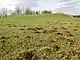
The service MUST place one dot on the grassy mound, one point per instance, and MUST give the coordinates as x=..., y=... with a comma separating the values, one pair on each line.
x=40, y=37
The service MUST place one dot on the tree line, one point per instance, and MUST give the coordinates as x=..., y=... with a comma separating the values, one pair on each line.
x=19, y=11
x=27, y=11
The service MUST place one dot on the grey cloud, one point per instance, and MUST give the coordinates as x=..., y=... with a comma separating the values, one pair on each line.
x=63, y=3
x=69, y=6
x=29, y=3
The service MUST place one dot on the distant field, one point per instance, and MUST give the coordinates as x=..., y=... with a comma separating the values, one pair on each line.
x=40, y=37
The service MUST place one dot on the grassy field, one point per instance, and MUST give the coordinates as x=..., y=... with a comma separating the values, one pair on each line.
x=40, y=37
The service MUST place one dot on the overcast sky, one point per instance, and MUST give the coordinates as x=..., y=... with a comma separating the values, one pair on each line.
x=66, y=6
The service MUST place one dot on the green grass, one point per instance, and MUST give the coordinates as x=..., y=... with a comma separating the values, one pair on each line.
x=33, y=19
x=47, y=37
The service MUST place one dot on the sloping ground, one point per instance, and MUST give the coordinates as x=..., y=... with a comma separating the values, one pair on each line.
x=56, y=40
x=34, y=19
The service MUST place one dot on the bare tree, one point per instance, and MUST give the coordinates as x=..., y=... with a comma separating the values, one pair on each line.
x=28, y=11
x=3, y=12
x=18, y=10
